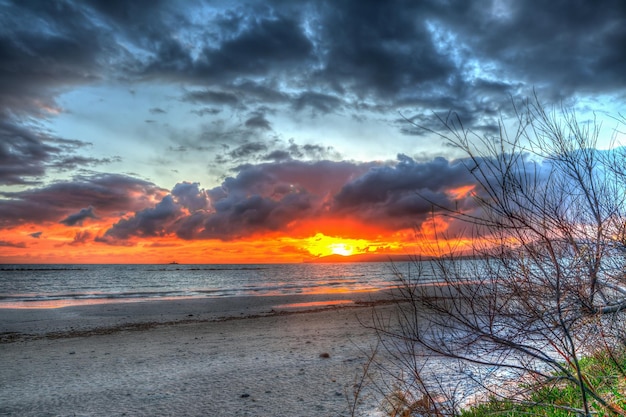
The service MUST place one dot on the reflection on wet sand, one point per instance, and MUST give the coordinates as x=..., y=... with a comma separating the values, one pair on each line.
x=325, y=303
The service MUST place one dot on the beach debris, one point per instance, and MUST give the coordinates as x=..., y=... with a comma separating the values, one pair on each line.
x=325, y=355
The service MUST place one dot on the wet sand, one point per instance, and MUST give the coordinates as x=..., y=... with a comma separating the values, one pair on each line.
x=248, y=356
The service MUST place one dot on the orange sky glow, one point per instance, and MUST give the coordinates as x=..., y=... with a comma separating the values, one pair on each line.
x=213, y=132
x=98, y=236
x=59, y=244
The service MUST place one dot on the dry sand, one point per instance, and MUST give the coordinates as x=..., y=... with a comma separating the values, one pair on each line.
x=254, y=356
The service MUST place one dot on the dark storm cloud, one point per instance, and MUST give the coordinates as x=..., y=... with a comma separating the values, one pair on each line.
x=45, y=47
x=417, y=57
x=271, y=197
x=173, y=214
x=316, y=101
x=259, y=45
x=558, y=46
x=384, y=48
x=318, y=57
x=278, y=156
x=109, y=194
x=27, y=152
x=433, y=55
x=267, y=91
x=77, y=219
x=312, y=151
x=148, y=222
x=406, y=175
x=190, y=196
x=255, y=214
x=35, y=60
x=263, y=45
x=321, y=178
x=212, y=97
x=258, y=121
x=24, y=153
x=252, y=141
x=142, y=17
x=244, y=65
x=247, y=149
x=260, y=198
x=403, y=194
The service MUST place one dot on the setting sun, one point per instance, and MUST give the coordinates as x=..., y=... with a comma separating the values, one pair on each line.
x=321, y=245
x=341, y=249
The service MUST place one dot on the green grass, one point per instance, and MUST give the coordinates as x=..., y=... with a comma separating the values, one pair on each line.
x=604, y=374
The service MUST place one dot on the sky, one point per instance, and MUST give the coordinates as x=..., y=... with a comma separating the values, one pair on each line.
x=271, y=131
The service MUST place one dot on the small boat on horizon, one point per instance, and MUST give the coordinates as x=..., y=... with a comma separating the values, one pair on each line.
x=173, y=263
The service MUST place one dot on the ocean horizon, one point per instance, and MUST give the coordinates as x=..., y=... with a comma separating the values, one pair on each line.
x=61, y=285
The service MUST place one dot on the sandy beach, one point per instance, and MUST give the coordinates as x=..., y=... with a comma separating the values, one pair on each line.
x=248, y=356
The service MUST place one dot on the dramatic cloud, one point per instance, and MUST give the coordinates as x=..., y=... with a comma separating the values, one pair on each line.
x=258, y=121
x=59, y=202
x=212, y=97
x=27, y=152
x=252, y=145
x=77, y=219
x=247, y=149
x=265, y=197
x=534, y=42
x=316, y=101
x=174, y=213
x=276, y=197
x=23, y=154
x=148, y=222
x=383, y=184
x=260, y=45
x=191, y=197
x=400, y=52
x=405, y=194
x=382, y=48
x=36, y=65
x=277, y=107
x=36, y=61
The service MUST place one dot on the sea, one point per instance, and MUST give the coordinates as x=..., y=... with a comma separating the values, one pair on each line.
x=49, y=286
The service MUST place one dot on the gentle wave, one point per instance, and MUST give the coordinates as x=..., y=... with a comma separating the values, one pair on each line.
x=41, y=269
x=24, y=285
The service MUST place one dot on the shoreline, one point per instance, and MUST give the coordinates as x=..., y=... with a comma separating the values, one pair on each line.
x=18, y=323
x=231, y=357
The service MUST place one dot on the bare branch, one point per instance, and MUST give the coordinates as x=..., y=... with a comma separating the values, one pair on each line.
x=547, y=269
